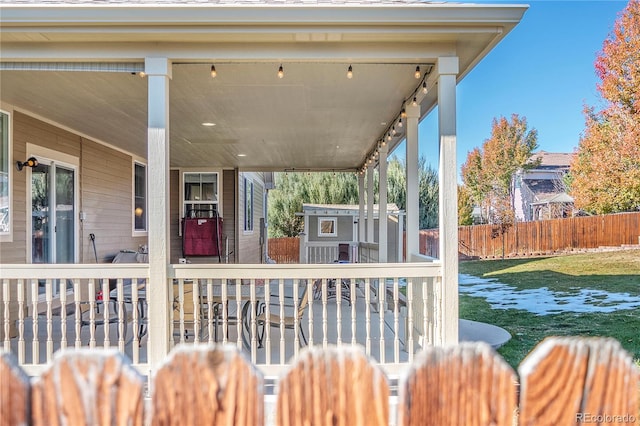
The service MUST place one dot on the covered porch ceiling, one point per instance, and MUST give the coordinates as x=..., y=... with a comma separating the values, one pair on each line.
x=314, y=118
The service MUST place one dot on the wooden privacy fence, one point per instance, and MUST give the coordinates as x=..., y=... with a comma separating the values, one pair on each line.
x=285, y=249
x=540, y=237
x=563, y=381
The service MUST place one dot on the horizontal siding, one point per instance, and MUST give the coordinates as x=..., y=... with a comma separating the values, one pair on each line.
x=229, y=208
x=175, y=240
x=104, y=181
x=249, y=243
x=107, y=193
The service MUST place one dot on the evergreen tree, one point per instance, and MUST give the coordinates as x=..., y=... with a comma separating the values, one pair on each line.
x=294, y=189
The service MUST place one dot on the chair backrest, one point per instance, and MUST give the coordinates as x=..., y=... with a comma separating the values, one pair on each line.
x=304, y=301
x=343, y=251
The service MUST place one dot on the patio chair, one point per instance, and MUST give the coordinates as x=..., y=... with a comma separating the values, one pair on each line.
x=111, y=303
x=289, y=319
x=343, y=252
x=188, y=309
x=205, y=316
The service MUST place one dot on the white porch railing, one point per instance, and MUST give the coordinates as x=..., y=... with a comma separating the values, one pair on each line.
x=257, y=307
x=368, y=252
x=323, y=252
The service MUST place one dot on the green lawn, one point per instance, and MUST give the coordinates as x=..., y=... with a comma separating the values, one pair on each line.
x=609, y=271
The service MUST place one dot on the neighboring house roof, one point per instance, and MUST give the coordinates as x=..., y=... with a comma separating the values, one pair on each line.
x=553, y=159
x=541, y=187
x=562, y=197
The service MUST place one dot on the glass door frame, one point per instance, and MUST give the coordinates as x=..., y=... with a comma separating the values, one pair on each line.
x=53, y=158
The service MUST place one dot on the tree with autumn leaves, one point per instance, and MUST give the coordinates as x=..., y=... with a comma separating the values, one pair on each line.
x=605, y=173
x=488, y=172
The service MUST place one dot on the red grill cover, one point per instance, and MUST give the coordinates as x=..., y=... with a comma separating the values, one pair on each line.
x=201, y=236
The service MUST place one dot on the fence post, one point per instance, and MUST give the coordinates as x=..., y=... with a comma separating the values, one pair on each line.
x=14, y=392
x=208, y=385
x=303, y=247
x=91, y=387
x=333, y=386
x=574, y=380
x=466, y=384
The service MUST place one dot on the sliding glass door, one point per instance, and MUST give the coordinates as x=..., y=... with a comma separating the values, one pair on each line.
x=53, y=213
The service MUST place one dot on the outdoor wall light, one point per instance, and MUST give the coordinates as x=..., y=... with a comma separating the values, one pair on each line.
x=31, y=162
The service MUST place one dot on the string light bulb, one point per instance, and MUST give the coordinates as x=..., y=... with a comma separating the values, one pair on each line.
x=417, y=74
x=350, y=72
x=403, y=113
x=415, y=101
x=393, y=130
x=214, y=73
x=400, y=122
x=424, y=87
x=280, y=72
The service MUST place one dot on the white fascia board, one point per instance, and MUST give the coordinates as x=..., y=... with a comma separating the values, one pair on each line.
x=123, y=15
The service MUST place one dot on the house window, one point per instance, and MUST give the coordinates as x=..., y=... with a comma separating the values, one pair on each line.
x=5, y=202
x=139, y=197
x=200, y=194
x=327, y=227
x=248, y=205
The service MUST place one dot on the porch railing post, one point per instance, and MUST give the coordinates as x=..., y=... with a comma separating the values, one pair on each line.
x=303, y=247
x=447, y=70
x=158, y=71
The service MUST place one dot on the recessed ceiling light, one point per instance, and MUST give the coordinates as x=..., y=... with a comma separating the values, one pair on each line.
x=207, y=124
x=242, y=155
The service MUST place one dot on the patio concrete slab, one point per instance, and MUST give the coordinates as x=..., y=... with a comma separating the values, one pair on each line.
x=474, y=331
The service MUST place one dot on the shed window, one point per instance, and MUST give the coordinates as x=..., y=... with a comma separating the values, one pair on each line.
x=327, y=227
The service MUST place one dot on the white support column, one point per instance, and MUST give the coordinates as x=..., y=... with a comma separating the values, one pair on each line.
x=413, y=188
x=361, y=226
x=158, y=72
x=447, y=70
x=383, y=235
x=370, y=203
x=400, y=239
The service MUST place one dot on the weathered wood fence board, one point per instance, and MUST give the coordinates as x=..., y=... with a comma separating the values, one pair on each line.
x=15, y=393
x=333, y=386
x=567, y=380
x=88, y=387
x=284, y=250
x=207, y=385
x=540, y=237
x=468, y=384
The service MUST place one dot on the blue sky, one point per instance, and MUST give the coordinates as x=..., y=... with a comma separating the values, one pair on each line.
x=542, y=70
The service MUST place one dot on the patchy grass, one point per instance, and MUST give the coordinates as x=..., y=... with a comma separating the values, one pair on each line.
x=609, y=271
